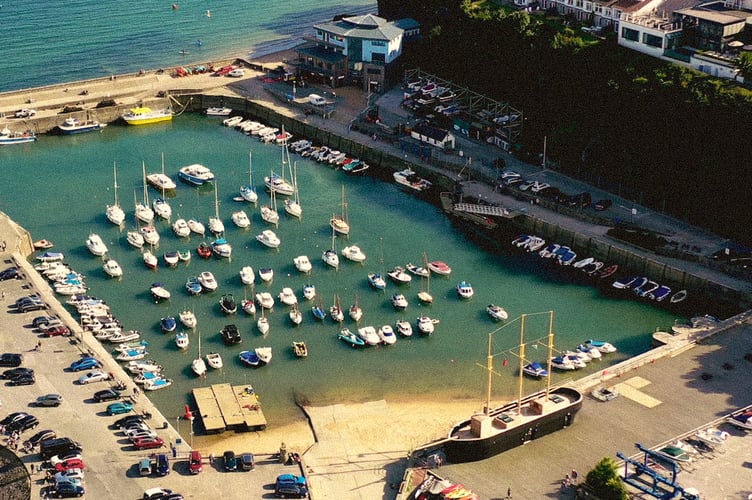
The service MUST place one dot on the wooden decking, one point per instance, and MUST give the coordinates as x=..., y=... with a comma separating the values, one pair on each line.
x=222, y=406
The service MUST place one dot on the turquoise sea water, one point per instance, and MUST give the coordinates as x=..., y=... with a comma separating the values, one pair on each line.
x=58, y=189
x=53, y=42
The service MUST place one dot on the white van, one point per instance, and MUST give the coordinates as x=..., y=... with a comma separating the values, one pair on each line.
x=316, y=100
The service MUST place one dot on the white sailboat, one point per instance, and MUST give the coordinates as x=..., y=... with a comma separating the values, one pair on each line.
x=198, y=365
x=292, y=205
x=340, y=223
x=248, y=193
x=216, y=225
x=425, y=294
x=269, y=212
x=161, y=207
x=330, y=256
x=115, y=213
x=144, y=213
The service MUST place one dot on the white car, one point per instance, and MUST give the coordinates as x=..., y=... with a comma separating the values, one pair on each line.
x=25, y=113
x=71, y=475
x=57, y=459
x=134, y=434
x=539, y=186
x=135, y=427
x=526, y=185
x=93, y=376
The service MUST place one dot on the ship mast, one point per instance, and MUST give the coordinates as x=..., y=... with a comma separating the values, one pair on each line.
x=550, y=351
x=489, y=370
x=522, y=361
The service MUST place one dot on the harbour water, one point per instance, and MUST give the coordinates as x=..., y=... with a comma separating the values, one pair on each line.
x=58, y=189
x=56, y=42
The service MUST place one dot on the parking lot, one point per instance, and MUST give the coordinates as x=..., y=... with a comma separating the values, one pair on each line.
x=111, y=462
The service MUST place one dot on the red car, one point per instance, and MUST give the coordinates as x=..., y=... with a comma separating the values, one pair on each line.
x=55, y=331
x=146, y=443
x=195, y=462
x=73, y=463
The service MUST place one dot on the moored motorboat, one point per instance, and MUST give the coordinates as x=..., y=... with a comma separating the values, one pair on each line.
x=353, y=253
x=264, y=354
x=95, y=245
x=249, y=307
x=182, y=340
x=230, y=335
x=439, y=267
x=207, y=280
x=162, y=208
x=112, y=268
x=227, y=304
x=221, y=248
x=410, y=179
x=188, y=318
x=465, y=290
x=535, y=370
x=386, y=334
x=181, y=229
x=144, y=115
x=214, y=360
x=417, y=270
x=309, y=291
x=287, y=296
x=8, y=137
x=193, y=285
x=426, y=325
x=497, y=312
x=377, y=281
x=399, y=302
x=159, y=292
x=240, y=219
x=399, y=276
x=168, y=324
x=42, y=244
x=741, y=419
x=196, y=226
x=603, y=347
x=350, y=338
x=196, y=174
x=268, y=238
x=161, y=182
x=171, y=258
x=678, y=297
x=303, y=264
x=266, y=274
x=265, y=300
x=249, y=358
x=247, y=276
x=369, y=335
x=204, y=250
x=218, y=111
x=73, y=125
x=404, y=328
x=300, y=349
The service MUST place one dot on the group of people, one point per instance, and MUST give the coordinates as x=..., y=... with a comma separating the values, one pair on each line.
x=569, y=480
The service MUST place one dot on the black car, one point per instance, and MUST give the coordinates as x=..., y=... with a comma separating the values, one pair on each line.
x=106, y=395
x=39, y=437
x=14, y=372
x=11, y=359
x=247, y=462
x=23, y=424
x=122, y=421
x=23, y=379
x=9, y=274
x=231, y=463
x=41, y=321
x=27, y=299
x=12, y=417
x=65, y=489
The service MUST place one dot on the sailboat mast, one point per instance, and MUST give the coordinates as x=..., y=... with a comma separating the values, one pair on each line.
x=550, y=350
x=146, y=194
x=522, y=361
x=114, y=171
x=489, y=369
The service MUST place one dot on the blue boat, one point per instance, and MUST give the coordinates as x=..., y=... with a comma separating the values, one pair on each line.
x=350, y=338
x=318, y=312
x=249, y=358
x=196, y=174
x=168, y=324
x=193, y=286
x=535, y=370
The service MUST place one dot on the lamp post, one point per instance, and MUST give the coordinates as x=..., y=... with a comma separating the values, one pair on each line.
x=177, y=425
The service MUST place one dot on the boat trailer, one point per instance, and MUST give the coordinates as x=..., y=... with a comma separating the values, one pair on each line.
x=661, y=470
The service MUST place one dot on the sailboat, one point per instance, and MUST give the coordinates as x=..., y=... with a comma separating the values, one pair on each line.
x=263, y=323
x=376, y=280
x=356, y=312
x=339, y=223
x=292, y=205
x=499, y=429
x=330, y=256
x=216, y=225
x=425, y=294
x=335, y=311
x=269, y=212
x=115, y=213
x=161, y=207
x=143, y=212
x=198, y=365
x=248, y=192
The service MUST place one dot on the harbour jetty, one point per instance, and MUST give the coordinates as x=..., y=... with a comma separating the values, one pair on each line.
x=224, y=406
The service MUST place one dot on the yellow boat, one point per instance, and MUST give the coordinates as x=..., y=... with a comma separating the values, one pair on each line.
x=144, y=115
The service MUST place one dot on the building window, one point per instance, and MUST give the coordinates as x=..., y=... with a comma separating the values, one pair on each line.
x=378, y=43
x=652, y=40
x=630, y=34
x=376, y=57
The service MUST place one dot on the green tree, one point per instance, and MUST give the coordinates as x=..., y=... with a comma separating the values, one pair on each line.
x=744, y=64
x=604, y=481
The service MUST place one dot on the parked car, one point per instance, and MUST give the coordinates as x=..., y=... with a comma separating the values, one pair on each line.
x=49, y=322
x=195, y=462
x=603, y=204
x=49, y=400
x=86, y=363
x=119, y=408
x=539, y=186
x=93, y=376
x=144, y=467
x=71, y=463
x=139, y=433
x=524, y=186
x=68, y=455
x=9, y=274
x=22, y=424
x=106, y=395
x=550, y=193
x=39, y=437
x=604, y=394
x=11, y=359
x=230, y=462
x=40, y=321
x=25, y=113
x=146, y=443
x=32, y=306
x=26, y=299
x=581, y=200
x=12, y=417
x=156, y=493
x=57, y=331
x=14, y=372
x=290, y=485
x=67, y=490
x=122, y=421
x=23, y=379
x=247, y=461
x=162, y=465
